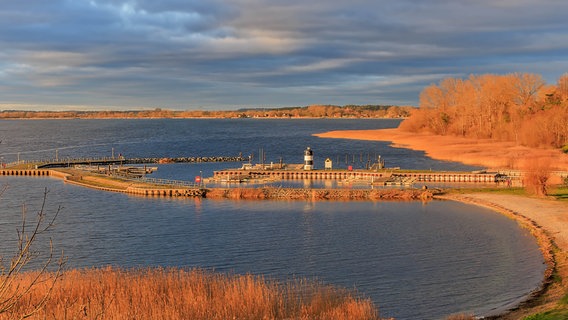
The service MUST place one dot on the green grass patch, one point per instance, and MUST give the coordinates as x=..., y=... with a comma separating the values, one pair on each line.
x=560, y=313
x=512, y=191
x=560, y=193
x=556, y=314
x=564, y=300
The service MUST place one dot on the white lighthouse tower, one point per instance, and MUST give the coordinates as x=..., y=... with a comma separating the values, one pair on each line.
x=308, y=159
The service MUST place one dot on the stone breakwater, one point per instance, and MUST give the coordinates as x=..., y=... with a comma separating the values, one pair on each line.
x=318, y=194
x=190, y=159
x=62, y=163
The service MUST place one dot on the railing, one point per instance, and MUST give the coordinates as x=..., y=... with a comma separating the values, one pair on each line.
x=62, y=162
x=167, y=182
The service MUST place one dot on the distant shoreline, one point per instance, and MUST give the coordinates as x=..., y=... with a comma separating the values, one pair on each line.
x=205, y=118
x=308, y=112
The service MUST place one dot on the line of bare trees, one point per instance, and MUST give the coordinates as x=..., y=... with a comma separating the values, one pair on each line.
x=518, y=107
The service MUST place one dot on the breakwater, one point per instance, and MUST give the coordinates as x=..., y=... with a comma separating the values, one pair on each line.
x=318, y=194
x=68, y=162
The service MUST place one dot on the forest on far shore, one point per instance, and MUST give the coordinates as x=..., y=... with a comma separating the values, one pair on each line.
x=312, y=111
x=518, y=107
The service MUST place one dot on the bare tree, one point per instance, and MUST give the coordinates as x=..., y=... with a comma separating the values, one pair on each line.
x=537, y=174
x=12, y=289
x=527, y=86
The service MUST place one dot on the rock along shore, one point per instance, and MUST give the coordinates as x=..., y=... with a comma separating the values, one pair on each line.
x=318, y=194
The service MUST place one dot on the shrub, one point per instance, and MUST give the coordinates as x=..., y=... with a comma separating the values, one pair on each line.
x=537, y=174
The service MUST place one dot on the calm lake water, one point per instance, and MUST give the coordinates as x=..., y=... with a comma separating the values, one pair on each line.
x=415, y=260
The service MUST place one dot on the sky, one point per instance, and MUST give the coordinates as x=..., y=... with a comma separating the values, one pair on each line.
x=230, y=54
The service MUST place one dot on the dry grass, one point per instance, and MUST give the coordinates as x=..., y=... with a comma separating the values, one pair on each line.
x=156, y=293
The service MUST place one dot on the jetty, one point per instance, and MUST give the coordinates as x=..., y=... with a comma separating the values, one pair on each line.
x=106, y=161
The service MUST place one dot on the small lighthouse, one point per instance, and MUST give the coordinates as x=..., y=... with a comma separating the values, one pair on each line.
x=308, y=159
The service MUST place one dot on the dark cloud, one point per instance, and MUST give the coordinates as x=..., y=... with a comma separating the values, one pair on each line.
x=222, y=54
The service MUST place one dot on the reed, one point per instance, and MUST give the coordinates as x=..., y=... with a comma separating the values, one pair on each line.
x=173, y=293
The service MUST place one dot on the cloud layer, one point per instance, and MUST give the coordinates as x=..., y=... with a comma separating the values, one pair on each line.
x=220, y=54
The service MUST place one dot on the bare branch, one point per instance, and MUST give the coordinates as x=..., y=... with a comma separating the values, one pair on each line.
x=12, y=290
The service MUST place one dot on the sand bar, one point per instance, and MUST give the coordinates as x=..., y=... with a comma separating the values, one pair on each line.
x=477, y=152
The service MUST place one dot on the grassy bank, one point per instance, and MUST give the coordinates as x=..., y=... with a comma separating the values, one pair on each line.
x=560, y=193
x=157, y=293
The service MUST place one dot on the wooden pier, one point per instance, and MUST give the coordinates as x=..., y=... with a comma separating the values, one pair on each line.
x=140, y=187
x=172, y=188
x=485, y=177
x=474, y=177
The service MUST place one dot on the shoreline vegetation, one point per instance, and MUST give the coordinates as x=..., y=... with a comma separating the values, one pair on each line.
x=312, y=111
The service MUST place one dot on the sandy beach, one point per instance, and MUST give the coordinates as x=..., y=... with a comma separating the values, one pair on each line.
x=547, y=218
x=482, y=152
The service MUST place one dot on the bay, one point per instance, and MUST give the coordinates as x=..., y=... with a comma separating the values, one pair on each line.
x=415, y=260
